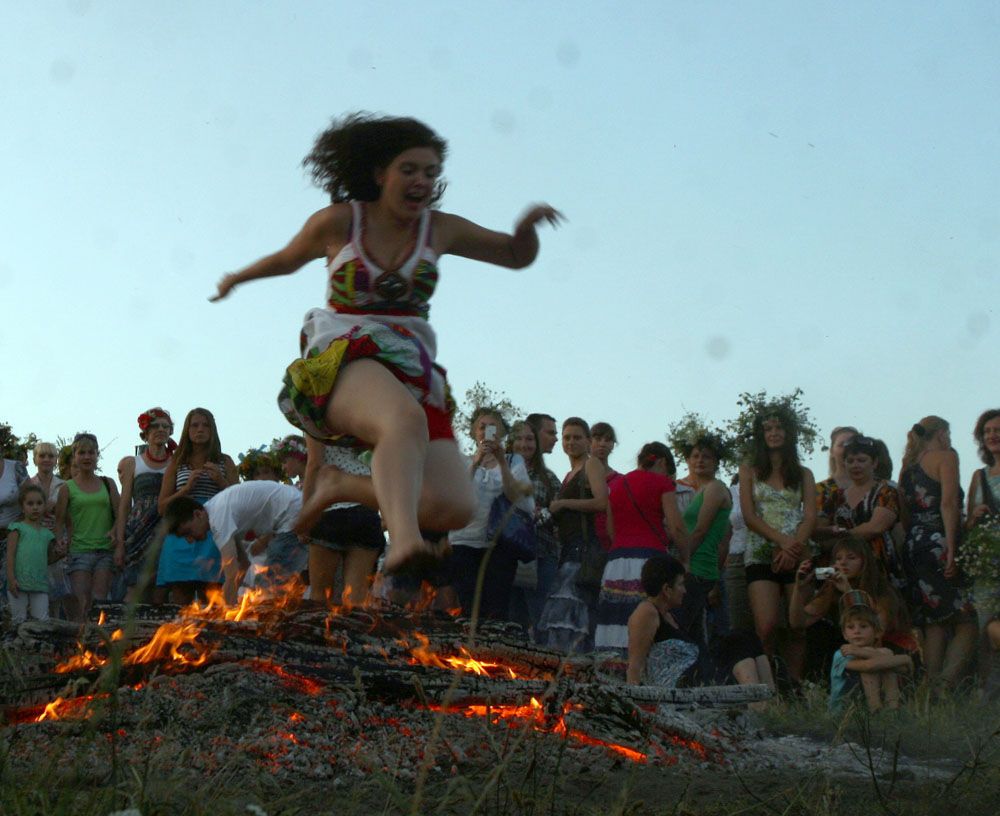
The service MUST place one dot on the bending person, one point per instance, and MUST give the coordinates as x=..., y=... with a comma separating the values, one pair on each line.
x=368, y=377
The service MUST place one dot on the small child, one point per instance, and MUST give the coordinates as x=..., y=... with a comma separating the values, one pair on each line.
x=28, y=558
x=263, y=506
x=861, y=661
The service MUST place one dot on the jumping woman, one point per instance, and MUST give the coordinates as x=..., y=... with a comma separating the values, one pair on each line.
x=367, y=377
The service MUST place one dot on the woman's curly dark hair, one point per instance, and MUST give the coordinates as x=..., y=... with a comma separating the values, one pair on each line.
x=980, y=431
x=346, y=155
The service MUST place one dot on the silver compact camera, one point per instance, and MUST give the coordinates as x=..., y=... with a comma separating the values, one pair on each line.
x=823, y=573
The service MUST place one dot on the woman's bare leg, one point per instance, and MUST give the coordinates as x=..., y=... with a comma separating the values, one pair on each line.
x=959, y=651
x=359, y=567
x=80, y=581
x=101, y=586
x=765, y=598
x=323, y=566
x=794, y=650
x=935, y=641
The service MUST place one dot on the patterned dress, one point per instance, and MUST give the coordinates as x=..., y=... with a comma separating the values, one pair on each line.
x=841, y=514
x=140, y=526
x=370, y=314
x=780, y=509
x=933, y=598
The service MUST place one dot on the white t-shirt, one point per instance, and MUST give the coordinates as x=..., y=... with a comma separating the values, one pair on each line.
x=264, y=507
x=487, y=484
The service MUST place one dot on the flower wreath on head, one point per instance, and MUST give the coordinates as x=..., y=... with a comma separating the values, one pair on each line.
x=787, y=409
x=854, y=598
x=145, y=419
x=291, y=445
x=256, y=458
x=691, y=431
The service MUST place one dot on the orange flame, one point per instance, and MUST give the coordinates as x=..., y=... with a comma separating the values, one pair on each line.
x=166, y=643
x=423, y=655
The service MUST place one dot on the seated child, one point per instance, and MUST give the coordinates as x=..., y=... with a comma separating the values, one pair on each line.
x=27, y=566
x=266, y=507
x=862, y=660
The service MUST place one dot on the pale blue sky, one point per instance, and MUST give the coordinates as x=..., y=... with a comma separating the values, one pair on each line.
x=759, y=195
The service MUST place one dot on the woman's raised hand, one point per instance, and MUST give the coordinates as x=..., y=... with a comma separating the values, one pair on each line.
x=539, y=212
x=226, y=283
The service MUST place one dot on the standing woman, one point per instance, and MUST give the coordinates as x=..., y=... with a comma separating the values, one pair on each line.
x=198, y=469
x=706, y=521
x=642, y=508
x=838, y=480
x=141, y=477
x=87, y=504
x=492, y=474
x=13, y=474
x=602, y=442
x=60, y=595
x=984, y=505
x=526, y=602
x=932, y=517
x=778, y=500
x=368, y=376
x=570, y=615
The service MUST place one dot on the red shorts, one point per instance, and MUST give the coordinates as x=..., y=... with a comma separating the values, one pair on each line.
x=438, y=423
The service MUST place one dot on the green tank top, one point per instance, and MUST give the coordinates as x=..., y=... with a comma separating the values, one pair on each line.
x=91, y=516
x=705, y=560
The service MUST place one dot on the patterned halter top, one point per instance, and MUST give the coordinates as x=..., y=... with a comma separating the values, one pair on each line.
x=358, y=286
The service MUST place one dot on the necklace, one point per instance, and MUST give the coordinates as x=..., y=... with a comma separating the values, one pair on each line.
x=158, y=460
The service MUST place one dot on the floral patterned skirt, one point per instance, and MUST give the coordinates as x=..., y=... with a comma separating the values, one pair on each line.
x=330, y=341
x=933, y=598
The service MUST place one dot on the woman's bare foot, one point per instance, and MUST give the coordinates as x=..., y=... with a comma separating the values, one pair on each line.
x=420, y=557
x=326, y=488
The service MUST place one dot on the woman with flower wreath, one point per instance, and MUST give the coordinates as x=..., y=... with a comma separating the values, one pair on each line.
x=292, y=453
x=940, y=602
x=368, y=376
x=141, y=477
x=778, y=500
x=980, y=557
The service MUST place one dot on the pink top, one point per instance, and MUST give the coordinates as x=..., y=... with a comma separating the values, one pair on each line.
x=634, y=528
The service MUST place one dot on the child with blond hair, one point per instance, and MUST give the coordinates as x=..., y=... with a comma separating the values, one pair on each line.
x=863, y=661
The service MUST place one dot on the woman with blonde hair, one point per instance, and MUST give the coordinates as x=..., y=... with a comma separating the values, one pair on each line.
x=931, y=505
x=45, y=456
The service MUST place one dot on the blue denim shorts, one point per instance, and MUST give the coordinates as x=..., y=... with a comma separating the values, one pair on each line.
x=90, y=561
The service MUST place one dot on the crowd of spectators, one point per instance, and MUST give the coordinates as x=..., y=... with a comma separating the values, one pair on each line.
x=776, y=578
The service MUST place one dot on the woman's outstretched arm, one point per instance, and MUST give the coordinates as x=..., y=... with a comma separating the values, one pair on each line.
x=462, y=237
x=319, y=234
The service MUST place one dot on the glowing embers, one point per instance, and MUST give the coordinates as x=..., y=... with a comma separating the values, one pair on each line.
x=173, y=644
x=423, y=655
x=535, y=717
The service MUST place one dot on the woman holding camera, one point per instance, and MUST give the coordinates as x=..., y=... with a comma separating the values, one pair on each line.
x=492, y=473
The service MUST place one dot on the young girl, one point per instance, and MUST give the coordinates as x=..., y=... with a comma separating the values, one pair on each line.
x=28, y=558
x=368, y=375
x=778, y=500
x=45, y=456
x=88, y=504
x=856, y=568
x=198, y=469
x=862, y=661
x=293, y=455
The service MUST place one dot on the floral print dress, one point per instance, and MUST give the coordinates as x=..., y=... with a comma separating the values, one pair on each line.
x=933, y=598
x=780, y=509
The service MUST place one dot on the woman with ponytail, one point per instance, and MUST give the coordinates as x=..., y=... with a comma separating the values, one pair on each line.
x=931, y=504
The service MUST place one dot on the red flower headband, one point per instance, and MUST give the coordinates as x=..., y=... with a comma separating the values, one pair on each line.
x=146, y=418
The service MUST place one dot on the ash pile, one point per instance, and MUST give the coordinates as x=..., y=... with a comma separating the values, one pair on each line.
x=305, y=692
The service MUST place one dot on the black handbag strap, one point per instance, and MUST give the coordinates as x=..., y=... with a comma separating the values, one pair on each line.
x=660, y=534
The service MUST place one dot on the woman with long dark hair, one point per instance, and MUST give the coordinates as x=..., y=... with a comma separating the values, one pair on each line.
x=368, y=376
x=778, y=500
x=528, y=601
x=984, y=506
x=941, y=604
x=198, y=469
